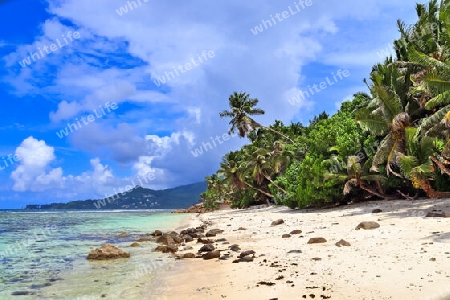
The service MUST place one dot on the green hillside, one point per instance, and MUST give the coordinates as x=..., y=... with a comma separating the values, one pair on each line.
x=138, y=198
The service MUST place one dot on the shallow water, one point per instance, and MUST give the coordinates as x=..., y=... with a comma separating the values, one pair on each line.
x=44, y=253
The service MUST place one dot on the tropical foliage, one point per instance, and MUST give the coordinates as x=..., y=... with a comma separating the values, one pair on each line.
x=393, y=142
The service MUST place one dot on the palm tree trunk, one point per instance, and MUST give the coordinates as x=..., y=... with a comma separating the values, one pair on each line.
x=440, y=165
x=273, y=130
x=276, y=185
x=367, y=189
x=259, y=190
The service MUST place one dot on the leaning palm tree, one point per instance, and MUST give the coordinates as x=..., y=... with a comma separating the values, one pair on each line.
x=358, y=176
x=241, y=108
x=416, y=164
x=386, y=114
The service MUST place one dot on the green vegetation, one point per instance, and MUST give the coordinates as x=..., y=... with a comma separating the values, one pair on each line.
x=138, y=198
x=392, y=143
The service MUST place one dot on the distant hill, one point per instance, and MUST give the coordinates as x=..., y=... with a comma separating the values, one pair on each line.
x=138, y=198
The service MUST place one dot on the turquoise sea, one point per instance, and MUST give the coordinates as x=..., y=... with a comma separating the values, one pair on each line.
x=43, y=254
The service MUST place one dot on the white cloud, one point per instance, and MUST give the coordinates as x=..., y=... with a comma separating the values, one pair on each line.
x=34, y=172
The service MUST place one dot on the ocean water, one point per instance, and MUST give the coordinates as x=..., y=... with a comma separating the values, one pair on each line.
x=43, y=254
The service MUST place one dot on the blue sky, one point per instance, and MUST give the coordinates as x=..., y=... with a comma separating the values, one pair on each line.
x=100, y=67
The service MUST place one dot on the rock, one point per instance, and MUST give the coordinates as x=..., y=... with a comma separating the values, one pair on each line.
x=286, y=236
x=213, y=232
x=225, y=257
x=211, y=254
x=243, y=259
x=234, y=247
x=107, y=251
x=135, y=245
x=317, y=240
x=176, y=237
x=367, y=225
x=189, y=255
x=157, y=233
x=242, y=228
x=143, y=239
x=165, y=239
x=123, y=234
x=187, y=238
x=187, y=248
x=171, y=248
x=22, y=293
x=221, y=240
x=207, y=248
x=296, y=231
x=342, y=243
x=295, y=251
x=437, y=214
x=376, y=211
x=205, y=241
x=245, y=253
x=277, y=222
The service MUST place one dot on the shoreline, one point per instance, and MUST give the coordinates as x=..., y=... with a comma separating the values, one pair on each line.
x=407, y=257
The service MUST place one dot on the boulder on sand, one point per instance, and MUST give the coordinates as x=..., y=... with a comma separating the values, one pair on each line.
x=277, y=222
x=317, y=240
x=107, y=251
x=367, y=225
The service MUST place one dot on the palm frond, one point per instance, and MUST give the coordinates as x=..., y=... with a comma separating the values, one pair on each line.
x=439, y=100
x=369, y=121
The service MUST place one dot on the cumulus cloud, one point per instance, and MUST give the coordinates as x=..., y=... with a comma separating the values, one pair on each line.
x=34, y=172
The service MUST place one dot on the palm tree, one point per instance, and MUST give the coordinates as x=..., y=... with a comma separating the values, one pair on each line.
x=357, y=176
x=241, y=108
x=416, y=164
x=232, y=170
x=385, y=115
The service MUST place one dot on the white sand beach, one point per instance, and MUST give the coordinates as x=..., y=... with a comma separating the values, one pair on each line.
x=407, y=257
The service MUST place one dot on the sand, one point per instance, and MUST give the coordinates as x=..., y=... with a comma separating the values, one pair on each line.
x=407, y=257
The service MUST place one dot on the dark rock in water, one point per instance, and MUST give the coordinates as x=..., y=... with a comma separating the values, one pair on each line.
x=242, y=228
x=53, y=279
x=165, y=239
x=376, y=211
x=135, y=244
x=207, y=248
x=22, y=293
x=437, y=214
x=39, y=286
x=211, y=254
x=342, y=243
x=156, y=233
x=144, y=239
x=317, y=240
x=123, y=234
x=107, y=251
x=172, y=248
x=296, y=231
x=286, y=236
x=221, y=240
x=295, y=251
x=277, y=222
x=367, y=225
x=234, y=247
